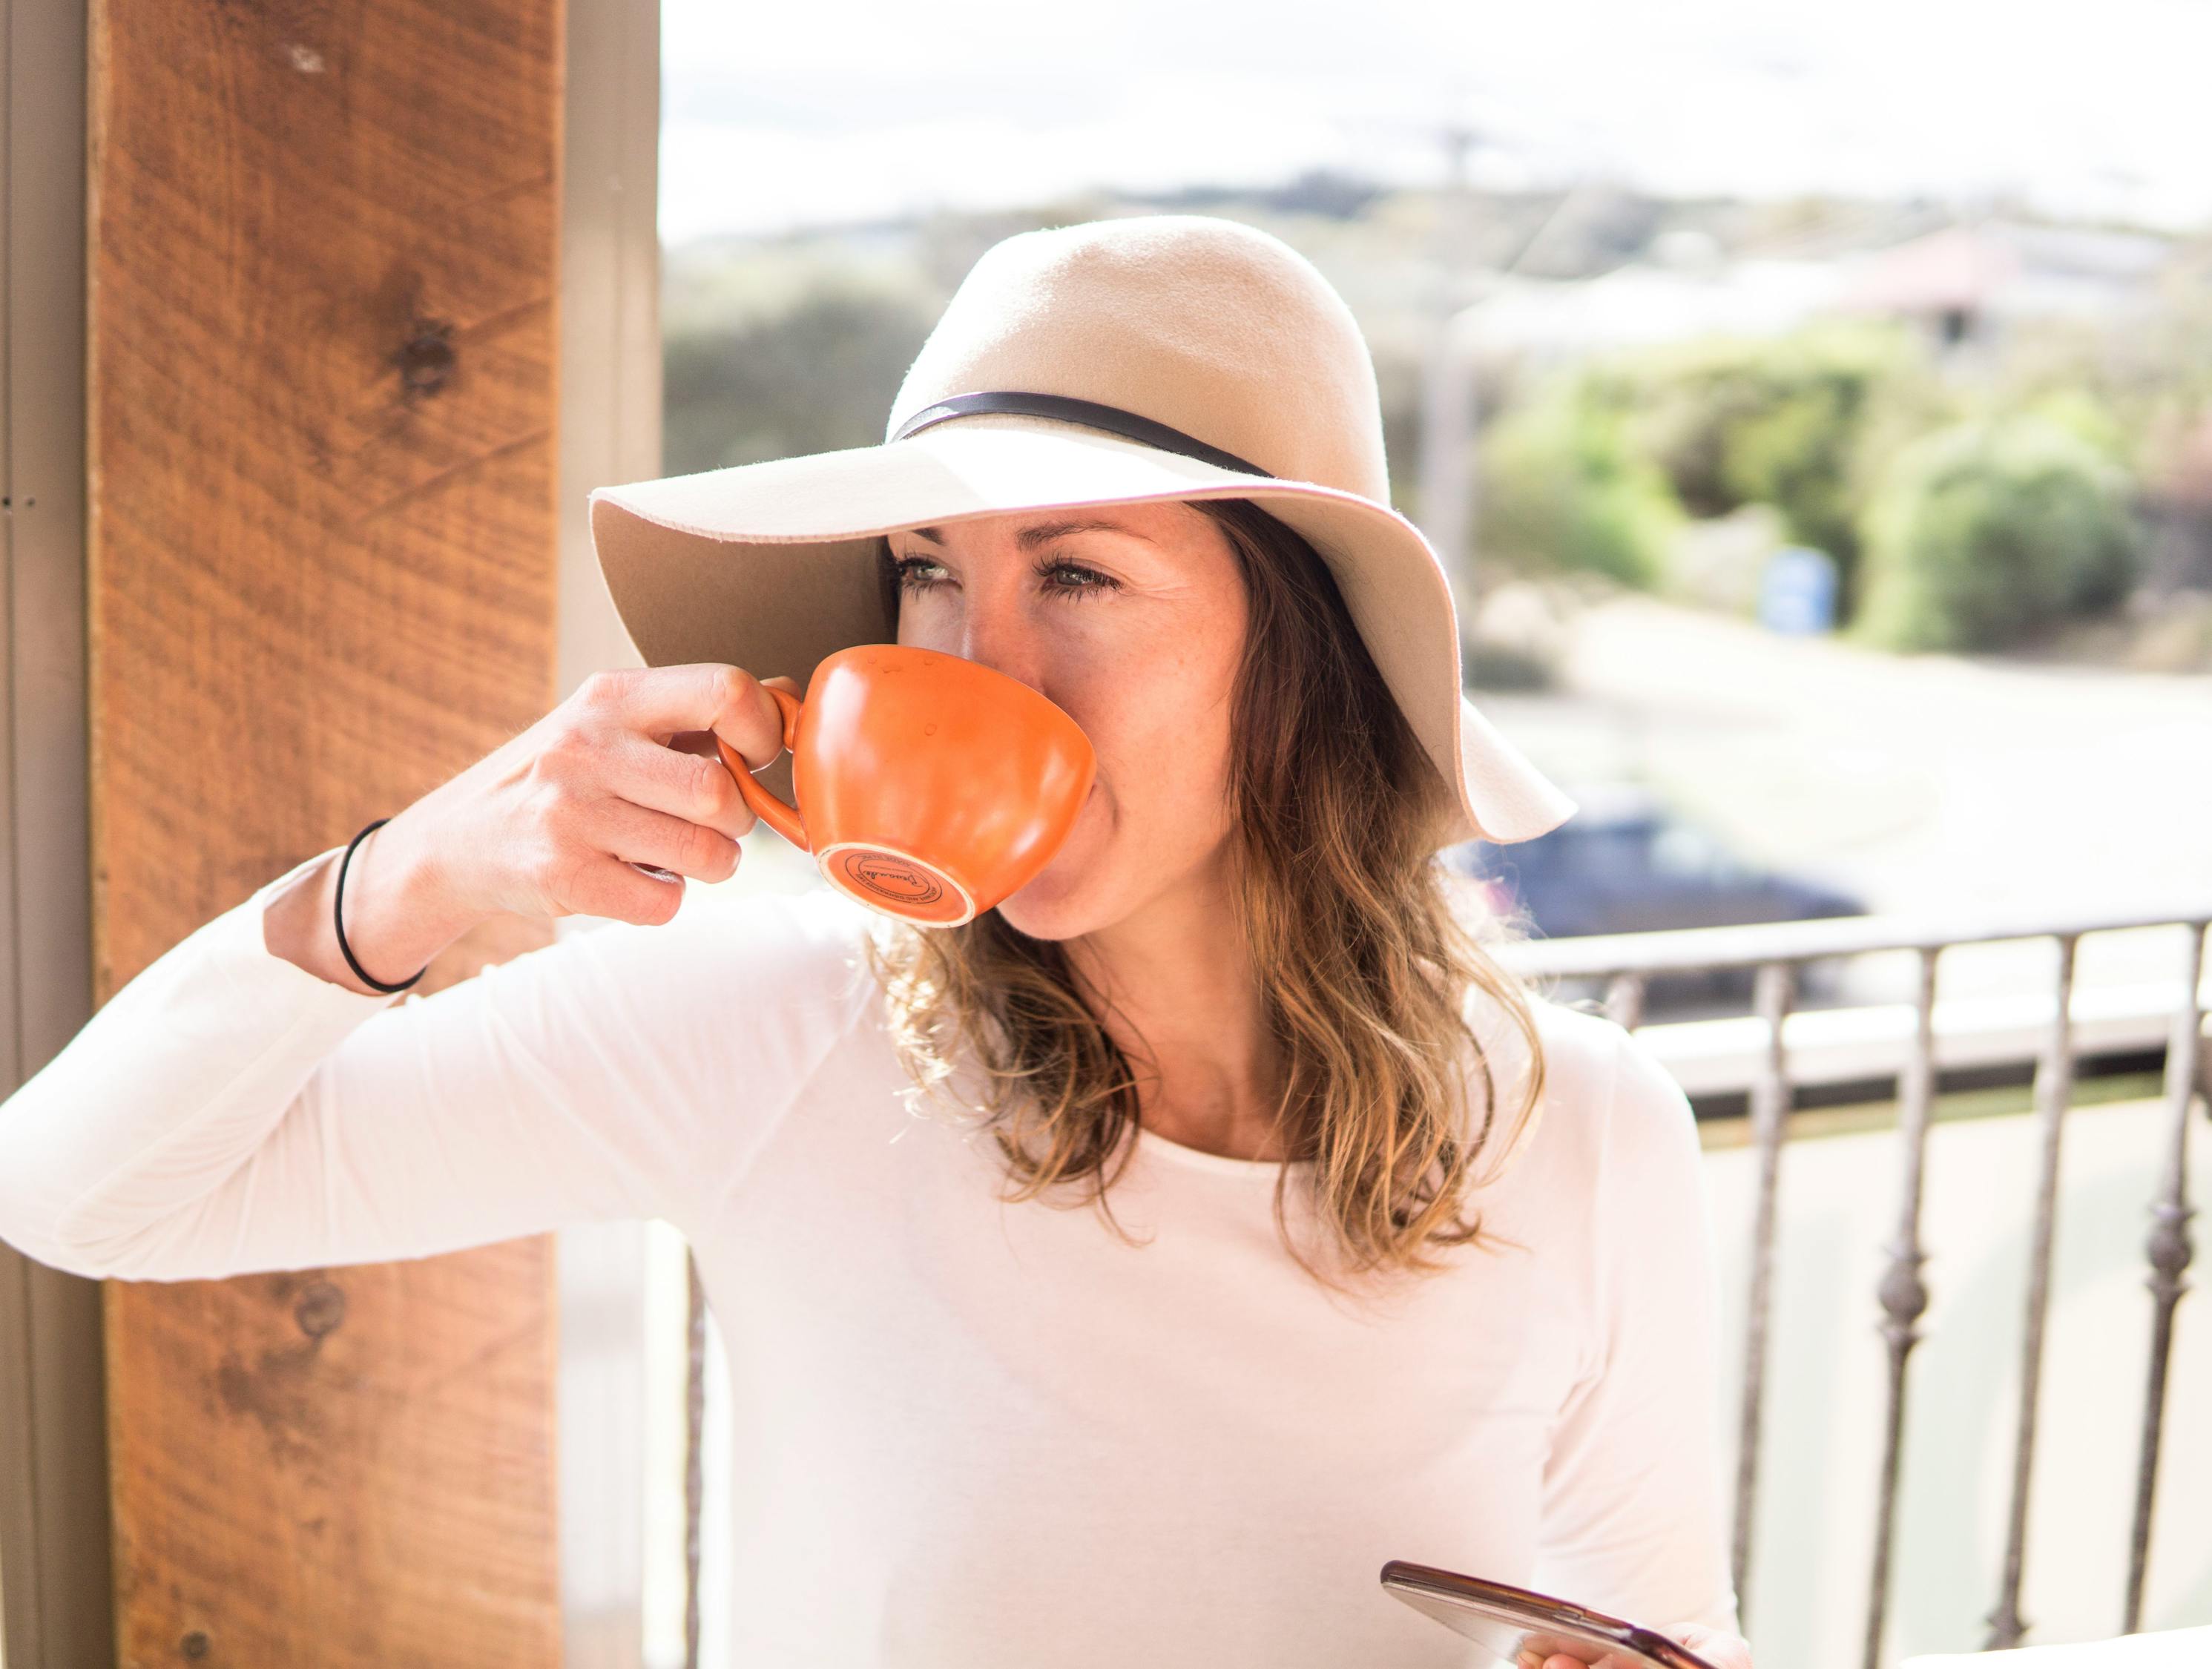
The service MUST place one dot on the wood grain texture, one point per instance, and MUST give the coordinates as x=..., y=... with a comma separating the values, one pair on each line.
x=341, y=1466
x=322, y=259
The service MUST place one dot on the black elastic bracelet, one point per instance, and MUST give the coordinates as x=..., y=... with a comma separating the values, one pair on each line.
x=337, y=919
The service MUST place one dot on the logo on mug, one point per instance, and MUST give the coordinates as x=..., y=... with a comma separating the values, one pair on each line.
x=890, y=877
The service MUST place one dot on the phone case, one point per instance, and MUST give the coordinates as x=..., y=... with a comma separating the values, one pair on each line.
x=1511, y=1621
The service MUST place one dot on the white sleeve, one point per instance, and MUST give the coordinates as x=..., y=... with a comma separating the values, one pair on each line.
x=1633, y=1521
x=227, y=1112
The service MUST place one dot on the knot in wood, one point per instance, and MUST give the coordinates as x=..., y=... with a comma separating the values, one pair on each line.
x=426, y=358
x=320, y=1309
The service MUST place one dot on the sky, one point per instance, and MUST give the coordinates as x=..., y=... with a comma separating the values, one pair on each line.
x=783, y=117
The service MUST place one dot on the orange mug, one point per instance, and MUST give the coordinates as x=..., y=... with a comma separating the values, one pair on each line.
x=929, y=787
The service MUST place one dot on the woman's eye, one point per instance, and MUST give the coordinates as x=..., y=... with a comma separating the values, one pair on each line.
x=1088, y=582
x=1065, y=578
x=908, y=580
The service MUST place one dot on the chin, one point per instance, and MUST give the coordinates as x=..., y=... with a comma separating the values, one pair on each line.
x=1072, y=895
x=1054, y=906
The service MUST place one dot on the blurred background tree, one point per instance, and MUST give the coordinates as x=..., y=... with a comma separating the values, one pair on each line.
x=1563, y=487
x=807, y=369
x=1798, y=422
x=1984, y=532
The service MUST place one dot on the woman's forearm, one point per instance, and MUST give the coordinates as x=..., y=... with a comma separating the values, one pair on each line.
x=398, y=914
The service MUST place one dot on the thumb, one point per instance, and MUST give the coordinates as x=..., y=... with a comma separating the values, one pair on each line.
x=1717, y=1647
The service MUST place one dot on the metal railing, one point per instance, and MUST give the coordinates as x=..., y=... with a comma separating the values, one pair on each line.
x=1626, y=964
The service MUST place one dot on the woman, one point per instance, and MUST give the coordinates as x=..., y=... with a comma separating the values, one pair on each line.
x=1387, y=1256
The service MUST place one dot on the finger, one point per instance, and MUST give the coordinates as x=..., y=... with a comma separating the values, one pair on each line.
x=686, y=783
x=1716, y=1646
x=605, y=886
x=639, y=834
x=702, y=742
x=760, y=761
x=703, y=695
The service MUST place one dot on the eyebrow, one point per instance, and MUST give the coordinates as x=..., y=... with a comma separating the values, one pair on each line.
x=1045, y=532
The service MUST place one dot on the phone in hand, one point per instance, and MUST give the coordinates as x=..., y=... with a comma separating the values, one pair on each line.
x=1521, y=1628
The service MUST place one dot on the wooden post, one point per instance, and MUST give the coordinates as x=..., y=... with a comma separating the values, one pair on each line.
x=323, y=258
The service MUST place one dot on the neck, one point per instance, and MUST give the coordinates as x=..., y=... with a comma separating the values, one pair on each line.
x=1174, y=987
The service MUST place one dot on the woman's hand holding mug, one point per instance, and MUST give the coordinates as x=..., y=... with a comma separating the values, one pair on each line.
x=554, y=822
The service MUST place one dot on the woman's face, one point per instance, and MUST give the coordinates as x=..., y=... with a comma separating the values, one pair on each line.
x=1131, y=617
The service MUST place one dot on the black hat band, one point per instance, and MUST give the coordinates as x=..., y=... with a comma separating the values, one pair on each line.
x=1090, y=413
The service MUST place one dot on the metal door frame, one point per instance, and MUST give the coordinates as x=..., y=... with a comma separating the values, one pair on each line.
x=56, y=1590
x=610, y=432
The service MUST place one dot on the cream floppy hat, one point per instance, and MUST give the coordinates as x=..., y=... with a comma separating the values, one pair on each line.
x=1153, y=357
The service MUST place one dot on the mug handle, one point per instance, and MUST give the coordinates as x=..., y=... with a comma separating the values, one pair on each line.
x=779, y=814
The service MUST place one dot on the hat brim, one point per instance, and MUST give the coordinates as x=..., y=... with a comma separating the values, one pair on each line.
x=771, y=566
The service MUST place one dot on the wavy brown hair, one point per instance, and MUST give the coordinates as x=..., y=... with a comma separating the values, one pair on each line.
x=1367, y=951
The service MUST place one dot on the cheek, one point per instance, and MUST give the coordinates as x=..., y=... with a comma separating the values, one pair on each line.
x=1163, y=746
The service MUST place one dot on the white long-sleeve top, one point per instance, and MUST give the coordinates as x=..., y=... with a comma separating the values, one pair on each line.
x=967, y=1432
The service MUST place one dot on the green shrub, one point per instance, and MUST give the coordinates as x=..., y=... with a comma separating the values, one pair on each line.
x=2082, y=414
x=1982, y=533
x=1797, y=421
x=817, y=375
x=1562, y=490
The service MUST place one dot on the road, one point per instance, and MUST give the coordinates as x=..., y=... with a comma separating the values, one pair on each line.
x=1937, y=782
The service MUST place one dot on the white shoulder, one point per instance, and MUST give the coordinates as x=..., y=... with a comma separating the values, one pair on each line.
x=1601, y=1088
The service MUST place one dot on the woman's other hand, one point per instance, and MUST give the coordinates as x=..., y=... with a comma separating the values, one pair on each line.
x=1717, y=1647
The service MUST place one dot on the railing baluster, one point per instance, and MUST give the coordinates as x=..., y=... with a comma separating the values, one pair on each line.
x=1773, y=989
x=2169, y=1252
x=1624, y=1000
x=2054, y=1093
x=695, y=1432
x=1904, y=1298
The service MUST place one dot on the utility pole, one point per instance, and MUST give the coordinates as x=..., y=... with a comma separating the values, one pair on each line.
x=1447, y=483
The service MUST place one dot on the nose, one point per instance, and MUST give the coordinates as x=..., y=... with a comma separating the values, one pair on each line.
x=994, y=632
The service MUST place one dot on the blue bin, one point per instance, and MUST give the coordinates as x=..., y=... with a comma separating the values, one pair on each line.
x=1798, y=592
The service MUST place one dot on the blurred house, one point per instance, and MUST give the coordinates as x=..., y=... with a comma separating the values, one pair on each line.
x=1964, y=284
x=1690, y=288
x=1970, y=283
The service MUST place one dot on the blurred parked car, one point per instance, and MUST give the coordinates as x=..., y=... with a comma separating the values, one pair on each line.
x=1626, y=863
